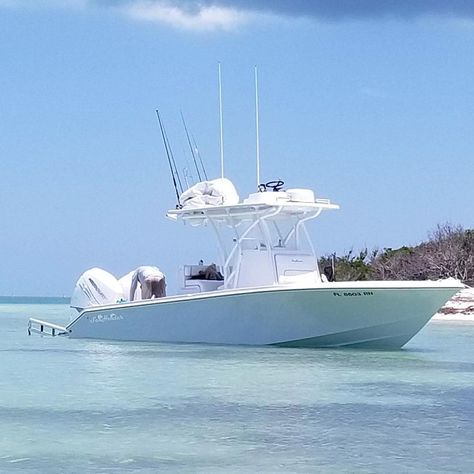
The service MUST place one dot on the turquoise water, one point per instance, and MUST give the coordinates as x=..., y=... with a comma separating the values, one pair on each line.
x=72, y=406
x=34, y=300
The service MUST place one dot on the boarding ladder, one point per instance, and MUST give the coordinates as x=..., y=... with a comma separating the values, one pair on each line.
x=45, y=329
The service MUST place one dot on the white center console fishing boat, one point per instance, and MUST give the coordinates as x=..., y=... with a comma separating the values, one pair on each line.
x=268, y=289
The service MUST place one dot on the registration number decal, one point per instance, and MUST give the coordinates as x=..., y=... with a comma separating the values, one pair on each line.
x=353, y=293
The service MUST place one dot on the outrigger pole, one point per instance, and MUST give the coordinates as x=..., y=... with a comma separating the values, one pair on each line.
x=221, y=121
x=257, y=127
x=171, y=161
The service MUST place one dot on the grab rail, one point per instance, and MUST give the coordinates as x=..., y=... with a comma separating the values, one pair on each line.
x=44, y=328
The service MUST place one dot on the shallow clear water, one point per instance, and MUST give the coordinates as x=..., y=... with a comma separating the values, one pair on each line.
x=89, y=406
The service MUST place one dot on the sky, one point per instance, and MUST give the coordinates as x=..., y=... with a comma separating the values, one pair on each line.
x=370, y=103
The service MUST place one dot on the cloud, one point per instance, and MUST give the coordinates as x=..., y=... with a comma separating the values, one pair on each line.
x=227, y=14
x=344, y=9
x=202, y=17
x=205, y=15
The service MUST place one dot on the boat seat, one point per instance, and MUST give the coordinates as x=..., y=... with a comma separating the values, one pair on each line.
x=202, y=286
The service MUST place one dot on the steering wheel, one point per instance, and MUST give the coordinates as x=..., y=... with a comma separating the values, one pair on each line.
x=273, y=185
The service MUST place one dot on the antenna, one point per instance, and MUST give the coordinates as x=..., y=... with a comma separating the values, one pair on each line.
x=220, y=121
x=257, y=127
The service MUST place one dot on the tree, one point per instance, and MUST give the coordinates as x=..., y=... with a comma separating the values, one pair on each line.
x=448, y=252
x=349, y=266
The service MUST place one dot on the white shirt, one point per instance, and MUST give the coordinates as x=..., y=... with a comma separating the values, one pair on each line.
x=141, y=274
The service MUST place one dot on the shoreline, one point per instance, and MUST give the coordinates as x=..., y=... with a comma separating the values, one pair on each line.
x=459, y=309
x=467, y=319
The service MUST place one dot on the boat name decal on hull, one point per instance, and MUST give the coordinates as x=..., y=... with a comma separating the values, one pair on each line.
x=104, y=318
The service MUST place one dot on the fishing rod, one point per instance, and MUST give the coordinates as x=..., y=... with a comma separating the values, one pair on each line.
x=195, y=152
x=190, y=146
x=199, y=157
x=173, y=161
x=170, y=159
x=186, y=176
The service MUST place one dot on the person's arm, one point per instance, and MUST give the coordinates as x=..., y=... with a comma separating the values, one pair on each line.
x=133, y=287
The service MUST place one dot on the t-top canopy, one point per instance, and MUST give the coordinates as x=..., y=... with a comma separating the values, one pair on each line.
x=246, y=211
x=218, y=200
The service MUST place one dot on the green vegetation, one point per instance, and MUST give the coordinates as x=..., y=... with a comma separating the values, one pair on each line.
x=448, y=252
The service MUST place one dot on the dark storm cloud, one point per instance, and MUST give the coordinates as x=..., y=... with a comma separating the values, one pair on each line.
x=330, y=10
x=360, y=9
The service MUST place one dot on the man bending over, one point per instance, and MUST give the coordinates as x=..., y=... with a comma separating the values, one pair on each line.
x=152, y=282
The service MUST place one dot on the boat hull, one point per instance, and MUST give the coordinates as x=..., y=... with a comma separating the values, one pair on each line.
x=377, y=316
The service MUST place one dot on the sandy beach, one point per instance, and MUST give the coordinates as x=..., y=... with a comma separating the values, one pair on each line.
x=459, y=309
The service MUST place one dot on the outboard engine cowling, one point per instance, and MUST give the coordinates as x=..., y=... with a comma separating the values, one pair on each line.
x=126, y=284
x=96, y=287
